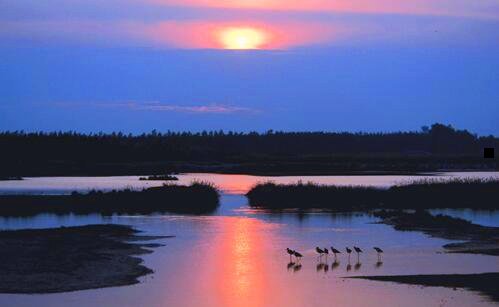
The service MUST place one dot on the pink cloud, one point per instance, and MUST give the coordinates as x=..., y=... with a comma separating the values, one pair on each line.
x=207, y=109
x=272, y=33
x=209, y=35
x=213, y=108
x=174, y=34
x=482, y=8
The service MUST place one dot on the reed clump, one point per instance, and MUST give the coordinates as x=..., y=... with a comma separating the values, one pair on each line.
x=421, y=194
x=197, y=198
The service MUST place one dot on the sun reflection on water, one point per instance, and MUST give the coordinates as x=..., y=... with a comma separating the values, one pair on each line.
x=244, y=275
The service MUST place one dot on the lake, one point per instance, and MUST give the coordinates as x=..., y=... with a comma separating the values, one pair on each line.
x=236, y=256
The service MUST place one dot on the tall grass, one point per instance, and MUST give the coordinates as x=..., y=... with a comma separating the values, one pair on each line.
x=197, y=198
x=421, y=194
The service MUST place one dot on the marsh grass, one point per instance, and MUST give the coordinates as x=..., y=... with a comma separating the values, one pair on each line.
x=420, y=194
x=197, y=198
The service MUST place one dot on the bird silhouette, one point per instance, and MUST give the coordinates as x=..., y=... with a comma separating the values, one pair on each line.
x=358, y=251
x=335, y=251
x=326, y=252
x=297, y=255
x=379, y=251
x=290, y=252
x=319, y=251
x=349, y=251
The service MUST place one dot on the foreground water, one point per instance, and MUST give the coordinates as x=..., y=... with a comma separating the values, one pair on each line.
x=237, y=257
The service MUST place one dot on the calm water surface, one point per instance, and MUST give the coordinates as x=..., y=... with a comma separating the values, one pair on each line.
x=237, y=257
x=229, y=184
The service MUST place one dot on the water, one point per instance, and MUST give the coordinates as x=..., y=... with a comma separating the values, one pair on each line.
x=229, y=184
x=237, y=257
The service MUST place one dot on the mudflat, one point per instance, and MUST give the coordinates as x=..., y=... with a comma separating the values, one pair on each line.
x=485, y=283
x=475, y=239
x=71, y=258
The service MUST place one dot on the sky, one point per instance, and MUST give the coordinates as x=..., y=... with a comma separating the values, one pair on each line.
x=249, y=65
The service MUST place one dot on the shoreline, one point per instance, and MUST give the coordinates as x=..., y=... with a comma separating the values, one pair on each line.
x=484, y=283
x=473, y=238
x=38, y=261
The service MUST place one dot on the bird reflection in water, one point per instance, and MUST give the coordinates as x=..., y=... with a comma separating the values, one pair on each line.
x=320, y=266
x=349, y=267
x=357, y=266
x=378, y=264
x=334, y=265
x=297, y=267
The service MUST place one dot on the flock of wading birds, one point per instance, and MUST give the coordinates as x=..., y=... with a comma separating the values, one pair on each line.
x=325, y=252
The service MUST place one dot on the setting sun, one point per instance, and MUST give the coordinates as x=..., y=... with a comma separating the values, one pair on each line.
x=242, y=38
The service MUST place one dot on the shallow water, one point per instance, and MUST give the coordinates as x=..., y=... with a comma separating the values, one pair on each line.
x=237, y=257
x=229, y=184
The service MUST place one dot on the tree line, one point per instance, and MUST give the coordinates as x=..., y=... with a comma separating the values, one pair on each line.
x=18, y=147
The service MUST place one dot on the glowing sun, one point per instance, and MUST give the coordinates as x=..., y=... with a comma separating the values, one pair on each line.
x=242, y=38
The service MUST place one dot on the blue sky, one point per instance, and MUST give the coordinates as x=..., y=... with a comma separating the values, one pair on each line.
x=138, y=65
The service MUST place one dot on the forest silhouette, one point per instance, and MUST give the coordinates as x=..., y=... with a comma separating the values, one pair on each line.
x=71, y=153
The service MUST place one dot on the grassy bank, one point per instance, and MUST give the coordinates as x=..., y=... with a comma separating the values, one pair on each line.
x=49, y=261
x=456, y=193
x=197, y=198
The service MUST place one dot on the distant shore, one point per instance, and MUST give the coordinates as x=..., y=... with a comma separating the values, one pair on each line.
x=49, y=261
x=257, y=168
x=5, y=178
x=233, y=170
x=159, y=178
x=198, y=198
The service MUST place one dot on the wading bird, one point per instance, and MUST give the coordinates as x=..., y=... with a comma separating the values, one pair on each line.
x=349, y=251
x=358, y=251
x=335, y=251
x=319, y=251
x=297, y=255
x=379, y=251
x=290, y=252
x=326, y=251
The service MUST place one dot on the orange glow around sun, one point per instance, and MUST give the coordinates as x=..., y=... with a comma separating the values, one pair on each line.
x=243, y=38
